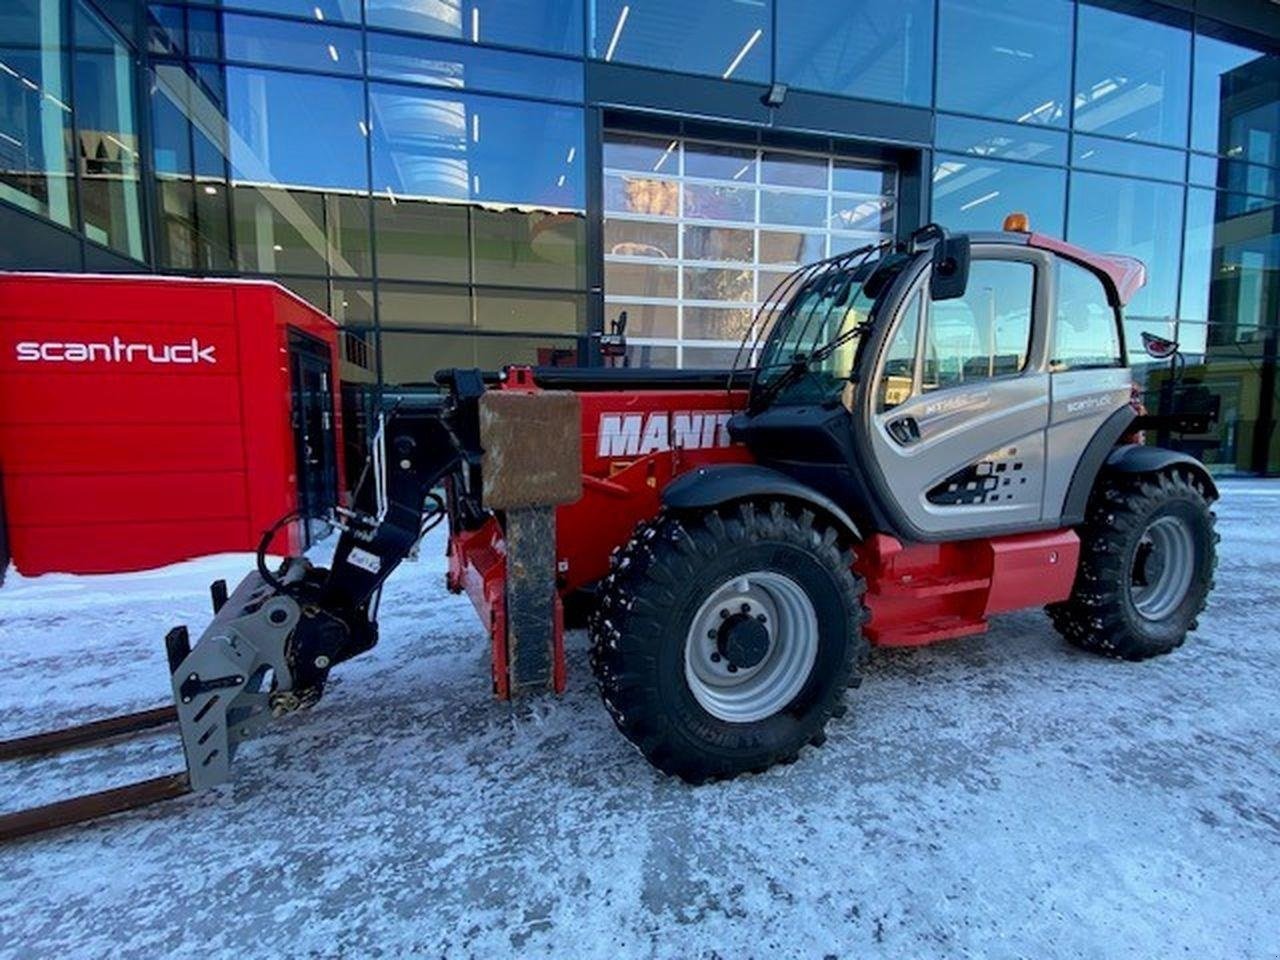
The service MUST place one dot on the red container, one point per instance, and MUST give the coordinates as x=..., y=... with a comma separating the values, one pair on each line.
x=145, y=420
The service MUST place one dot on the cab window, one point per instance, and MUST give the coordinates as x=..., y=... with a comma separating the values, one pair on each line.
x=984, y=334
x=1085, y=330
x=897, y=374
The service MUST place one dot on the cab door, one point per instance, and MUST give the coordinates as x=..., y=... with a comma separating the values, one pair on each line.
x=959, y=401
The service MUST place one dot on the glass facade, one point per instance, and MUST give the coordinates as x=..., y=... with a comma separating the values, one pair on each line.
x=479, y=181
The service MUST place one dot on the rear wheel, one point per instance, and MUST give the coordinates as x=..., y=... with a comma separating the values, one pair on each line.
x=1148, y=551
x=723, y=643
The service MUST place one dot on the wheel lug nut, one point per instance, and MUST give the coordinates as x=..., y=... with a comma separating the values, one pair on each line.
x=724, y=614
x=760, y=617
x=733, y=668
x=715, y=658
x=712, y=634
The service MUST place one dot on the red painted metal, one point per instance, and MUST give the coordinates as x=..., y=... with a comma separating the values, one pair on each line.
x=115, y=458
x=1126, y=274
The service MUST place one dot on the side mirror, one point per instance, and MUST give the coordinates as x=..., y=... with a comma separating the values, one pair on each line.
x=950, y=276
x=1158, y=348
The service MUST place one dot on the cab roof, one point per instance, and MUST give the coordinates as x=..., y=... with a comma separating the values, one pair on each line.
x=1122, y=276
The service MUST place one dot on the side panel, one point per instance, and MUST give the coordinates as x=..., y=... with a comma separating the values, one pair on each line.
x=1082, y=401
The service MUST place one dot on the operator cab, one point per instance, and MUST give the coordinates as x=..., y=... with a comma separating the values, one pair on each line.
x=945, y=387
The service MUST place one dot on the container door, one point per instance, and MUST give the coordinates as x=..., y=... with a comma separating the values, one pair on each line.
x=313, y=429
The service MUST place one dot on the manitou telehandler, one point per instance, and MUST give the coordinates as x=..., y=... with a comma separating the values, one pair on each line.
x=919, y=435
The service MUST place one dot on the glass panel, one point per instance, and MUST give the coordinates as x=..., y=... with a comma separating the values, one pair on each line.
x=794, y=170
x=35, y=116
x=109, y=161
x=412, y=359
x=1136, y=218
x=1133, y=159
x=521, y=312
x=320, y=10
x=718, y=162
x=713, y=358
x=650, y=355
x=347, y=220
x=713, y=284
x=639, y=238
x=1006, y=59
x=986, y=333
x=280, y=43
x=1132, y=73
x=879, y=49
x=1085, y=331
x=534, y=249
x=625, y=151
x=719, y=243
x=1234, y=175
x=850, y=176
x=166, y=29
x=279, y=136
x=722, y=38
x=554, y=25
x=793, y=209
x=708, y=202
x=1008, y=141
x=412, y=305
x=352, y=303
x=420, y=240
x=874, y=217
x=193, y=228
x=778, y=246
x=1231, y=266
x=640, y=280
x=717, y=323
x=1236, y=100
x=898, y=373
x=465, y=146
x=644, y=319
x=971, y=194
x=438, y=64
x=642, y=195
x=280, y=231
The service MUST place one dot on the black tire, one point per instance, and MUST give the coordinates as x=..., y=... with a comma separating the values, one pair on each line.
x=1101, y=614
x=647, y=606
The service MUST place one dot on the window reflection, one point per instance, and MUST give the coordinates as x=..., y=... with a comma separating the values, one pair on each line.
x=1005, y=141
x=554, y=25
x=35, y=112
x=278, y=135
x=1136, y=218
x=411, y=359
x=107, y=148
x=1132, y=73
x=281, y=43
x=1132, y=159
x=722, y=38
x=1006, y=59
x=464, y=146
x=975, y=194
x=322, y=11
x=1236, y=101
x=417, y=60
x=879, y=49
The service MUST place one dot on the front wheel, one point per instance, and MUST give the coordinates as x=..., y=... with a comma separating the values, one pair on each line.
x=1147, y=556
x=723, y=643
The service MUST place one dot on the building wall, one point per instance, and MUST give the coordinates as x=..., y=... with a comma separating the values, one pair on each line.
x=460, y=181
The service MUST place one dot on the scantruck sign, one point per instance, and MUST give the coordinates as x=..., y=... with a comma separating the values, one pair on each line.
x=115, y=350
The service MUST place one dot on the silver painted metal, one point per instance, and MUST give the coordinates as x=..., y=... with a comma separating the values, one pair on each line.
x=1163, y=567
x=751, y=693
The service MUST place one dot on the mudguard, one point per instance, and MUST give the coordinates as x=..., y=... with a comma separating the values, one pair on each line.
x=712, y=486
x=1137, y=458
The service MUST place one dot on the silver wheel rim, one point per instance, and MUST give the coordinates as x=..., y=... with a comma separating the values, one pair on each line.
x=749, y=693
x=1162, y=569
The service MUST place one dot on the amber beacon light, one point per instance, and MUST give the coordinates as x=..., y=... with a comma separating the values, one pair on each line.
x=1017, y=223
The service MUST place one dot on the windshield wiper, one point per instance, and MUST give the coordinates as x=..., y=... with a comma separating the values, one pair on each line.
x=801, y=363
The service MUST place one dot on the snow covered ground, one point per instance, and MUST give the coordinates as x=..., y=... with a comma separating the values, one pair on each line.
x=1002, y=796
